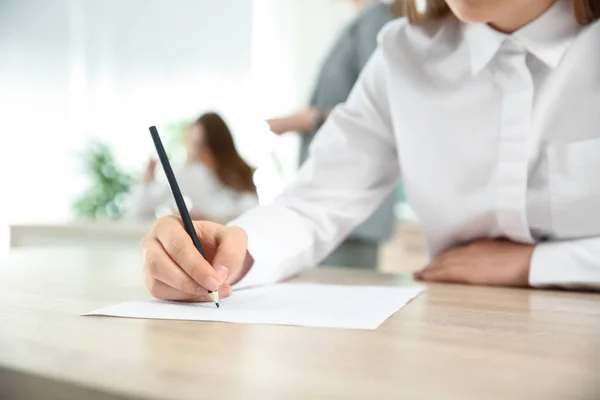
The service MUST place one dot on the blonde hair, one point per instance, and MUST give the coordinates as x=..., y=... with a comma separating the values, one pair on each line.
x=586, y=11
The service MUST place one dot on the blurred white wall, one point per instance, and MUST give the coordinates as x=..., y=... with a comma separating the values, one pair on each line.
x=71, y=70
x=290, y=40
x=291, y=37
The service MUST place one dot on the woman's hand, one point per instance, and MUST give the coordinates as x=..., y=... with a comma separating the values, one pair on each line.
x=175, y=270
x=194, y=215
x=150, y=173
x=483, y=262
x=303, y=121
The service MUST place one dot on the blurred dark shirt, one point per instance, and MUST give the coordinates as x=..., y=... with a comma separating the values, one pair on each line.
x=336, y=79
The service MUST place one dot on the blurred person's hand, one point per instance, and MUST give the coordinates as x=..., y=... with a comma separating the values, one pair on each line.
x=175, y=270
x=303, y=121
x=482, y=262
x=150, y=173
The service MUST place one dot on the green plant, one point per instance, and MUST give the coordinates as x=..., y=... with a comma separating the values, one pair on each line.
x=109, y=184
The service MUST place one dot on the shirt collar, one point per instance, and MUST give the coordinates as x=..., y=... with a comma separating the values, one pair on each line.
x=547, y=38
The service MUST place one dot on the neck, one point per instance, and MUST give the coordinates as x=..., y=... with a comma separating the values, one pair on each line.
x=518, y=18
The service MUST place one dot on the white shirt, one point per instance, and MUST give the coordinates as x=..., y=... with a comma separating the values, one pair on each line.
x=204, y=193
x=493, y=136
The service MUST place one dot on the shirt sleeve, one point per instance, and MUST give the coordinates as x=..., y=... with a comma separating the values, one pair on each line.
x=145, y=198
x=351, y=168
x=573, y=264
x=230, y=205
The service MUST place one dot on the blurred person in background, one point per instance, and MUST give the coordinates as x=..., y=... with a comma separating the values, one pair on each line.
x=336, y=79
x=215, y=180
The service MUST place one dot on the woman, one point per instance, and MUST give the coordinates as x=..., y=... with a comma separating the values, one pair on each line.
x=215, y=179
x=489, y=112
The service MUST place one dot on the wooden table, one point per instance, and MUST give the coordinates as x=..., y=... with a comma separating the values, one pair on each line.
x=452, y=342
x=95, y=234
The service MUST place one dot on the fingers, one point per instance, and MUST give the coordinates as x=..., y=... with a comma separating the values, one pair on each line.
x=452, y=270
x=436, y=264
x=160, y=267
x=450, y=258
x=447, y=274
x=151, y=167
x=231, y=251
x=174, y=268
x=162, y=291
x=278, y=125
x=442, y=268
x=179, y=247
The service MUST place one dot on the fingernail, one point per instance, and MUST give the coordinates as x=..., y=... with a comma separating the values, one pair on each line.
x=225, y=291
x=222, y=272
x=211, y=283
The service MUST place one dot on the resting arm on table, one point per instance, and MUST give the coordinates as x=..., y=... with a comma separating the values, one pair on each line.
x=573, y=264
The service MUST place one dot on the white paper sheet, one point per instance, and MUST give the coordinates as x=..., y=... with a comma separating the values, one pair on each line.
x=326, y=306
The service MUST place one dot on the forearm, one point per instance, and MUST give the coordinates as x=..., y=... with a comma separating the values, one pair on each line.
x=322, y=114
x=300, y=228
x=339, y=186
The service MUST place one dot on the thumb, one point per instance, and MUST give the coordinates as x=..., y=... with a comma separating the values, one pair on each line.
x=232, y=244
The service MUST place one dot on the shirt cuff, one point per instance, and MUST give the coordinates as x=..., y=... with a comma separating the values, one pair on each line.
x=543, y=270
x=275, y=253
x=563, y=264
x=259, y=273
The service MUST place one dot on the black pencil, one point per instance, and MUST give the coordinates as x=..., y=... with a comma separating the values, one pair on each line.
x=183, y=211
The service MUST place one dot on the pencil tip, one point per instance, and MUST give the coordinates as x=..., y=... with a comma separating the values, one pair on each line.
x=218, y=305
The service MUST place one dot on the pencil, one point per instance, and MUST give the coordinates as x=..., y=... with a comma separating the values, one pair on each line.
x=183, y=211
